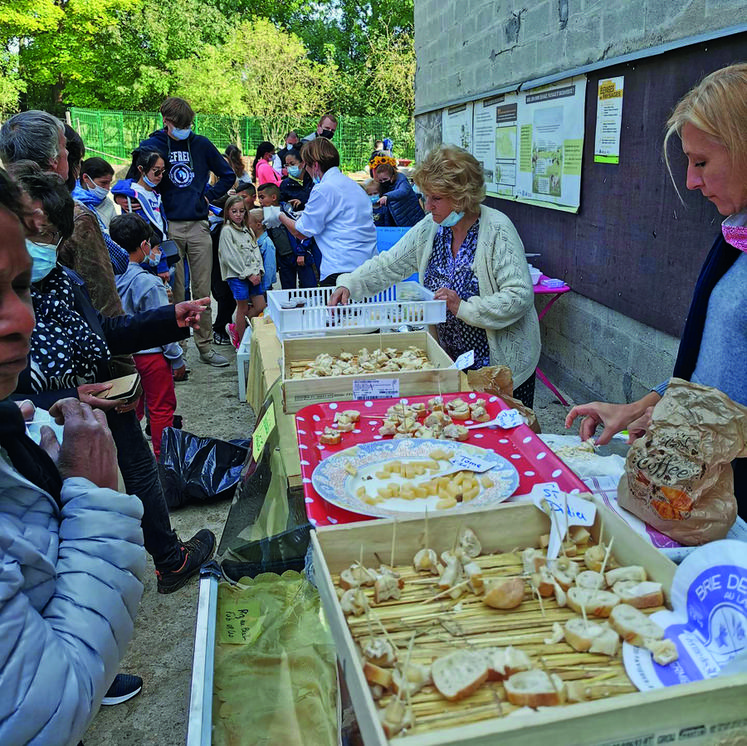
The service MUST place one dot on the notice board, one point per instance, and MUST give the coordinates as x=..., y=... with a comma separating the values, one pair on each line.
x=633, y=246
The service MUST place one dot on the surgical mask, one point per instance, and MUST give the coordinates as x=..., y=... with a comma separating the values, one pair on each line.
x=316, y=178
x=148, y=182
x=734, y=234
x=294, y=171
x=374, y=198
x=329, y=134
x=44, y=258
x=180, y=134
x=97, y=190
x=154, y=259
x=452, y=219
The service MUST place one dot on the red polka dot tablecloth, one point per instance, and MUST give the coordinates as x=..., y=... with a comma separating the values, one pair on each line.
x=533, y=460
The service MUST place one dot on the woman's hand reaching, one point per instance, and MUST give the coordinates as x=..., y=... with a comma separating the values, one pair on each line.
x=453, y=301
x=341, y=296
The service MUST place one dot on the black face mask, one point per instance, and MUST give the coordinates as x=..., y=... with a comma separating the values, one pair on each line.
x=329, y=134
x=385, y=185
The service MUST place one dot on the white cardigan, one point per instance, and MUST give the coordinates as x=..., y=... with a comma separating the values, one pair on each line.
x=505, y=306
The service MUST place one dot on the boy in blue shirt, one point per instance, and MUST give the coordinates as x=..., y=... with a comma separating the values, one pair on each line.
x=142, y=291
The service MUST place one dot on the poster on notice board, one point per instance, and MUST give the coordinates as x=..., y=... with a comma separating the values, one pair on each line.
x=530, y=143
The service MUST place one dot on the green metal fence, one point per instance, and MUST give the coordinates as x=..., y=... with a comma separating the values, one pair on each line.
x=114, y=134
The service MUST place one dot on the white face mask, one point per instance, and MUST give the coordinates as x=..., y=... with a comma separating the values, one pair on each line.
x=96, y=190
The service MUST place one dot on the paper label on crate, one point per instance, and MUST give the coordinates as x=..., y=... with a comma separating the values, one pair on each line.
x=239, y=621
x=262, y=432
x=708, y=623
x=376, y=388
x=464, y=361
x=564, y=510
x=471, y=463
x=508, y=418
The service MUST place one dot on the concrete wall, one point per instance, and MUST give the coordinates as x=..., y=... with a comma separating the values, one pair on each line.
x=591, y=352
x=468, y=47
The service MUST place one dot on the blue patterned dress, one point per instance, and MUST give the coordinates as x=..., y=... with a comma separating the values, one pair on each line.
x=456, y=273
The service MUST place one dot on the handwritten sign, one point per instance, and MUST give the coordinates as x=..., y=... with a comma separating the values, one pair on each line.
x=464, y=361
x=239, y=621
x=564, y=510
x=508, y=418
x=471, y=463
x=376, y=388
x=262, y=432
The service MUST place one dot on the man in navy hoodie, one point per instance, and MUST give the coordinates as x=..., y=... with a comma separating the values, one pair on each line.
x=185, y=192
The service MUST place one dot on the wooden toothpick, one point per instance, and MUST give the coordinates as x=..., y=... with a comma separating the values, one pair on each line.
x=447, y=591
x=407, y=663
x=606, y=556
x=586, y=621
x=539, y=598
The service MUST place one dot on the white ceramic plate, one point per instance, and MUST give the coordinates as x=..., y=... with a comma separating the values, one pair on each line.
x=337, y=486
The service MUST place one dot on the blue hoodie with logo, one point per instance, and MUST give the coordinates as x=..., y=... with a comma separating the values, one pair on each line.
x=189, y=164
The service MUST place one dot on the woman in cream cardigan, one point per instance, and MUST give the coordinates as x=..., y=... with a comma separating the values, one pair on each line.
x=473, y=258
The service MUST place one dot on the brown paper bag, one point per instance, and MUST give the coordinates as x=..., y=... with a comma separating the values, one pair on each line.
x=678, y=476
x=498, y=381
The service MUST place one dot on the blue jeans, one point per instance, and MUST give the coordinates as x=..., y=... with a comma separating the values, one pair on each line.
x=140, y=475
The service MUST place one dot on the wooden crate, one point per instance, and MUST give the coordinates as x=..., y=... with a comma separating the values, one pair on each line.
x=300, y=392
x=691, y=712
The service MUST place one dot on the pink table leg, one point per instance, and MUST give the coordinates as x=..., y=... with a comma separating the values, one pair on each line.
x=540, y=374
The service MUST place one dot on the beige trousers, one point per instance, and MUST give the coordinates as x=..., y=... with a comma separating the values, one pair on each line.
x=193, y=239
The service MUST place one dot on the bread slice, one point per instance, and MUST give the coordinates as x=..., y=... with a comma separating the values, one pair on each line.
x=543, y=581
x=535, y=689
x=458, y=674
x=642, y=595
x=504, y=593
x=377, y=675
x=418, y=676
x=593, y=581
x=630, y=572
x=532, y=559
x=594, y=603
x=664, y=651
x=564, y=571
x=634, y=626
x=504, y=662
x=590, y=636
x=594, y=557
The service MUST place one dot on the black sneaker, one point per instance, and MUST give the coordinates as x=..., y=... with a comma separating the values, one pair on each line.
x=221, y=339
x=125, y=686
x=195, y=553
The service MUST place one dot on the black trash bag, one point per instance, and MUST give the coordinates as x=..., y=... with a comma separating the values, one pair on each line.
x=197, y=470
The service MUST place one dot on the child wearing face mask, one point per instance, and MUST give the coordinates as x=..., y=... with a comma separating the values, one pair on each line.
x=142, y=291
x=295, y=188
x=254, y=220
x=92, y=189
x=380, y=212
x=240, y=266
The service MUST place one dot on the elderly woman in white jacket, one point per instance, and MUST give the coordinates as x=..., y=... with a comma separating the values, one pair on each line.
x=71, y=546
x=473, y=258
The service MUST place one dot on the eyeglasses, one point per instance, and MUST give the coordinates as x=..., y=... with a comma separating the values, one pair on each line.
x=158, y=171
x=48, y=235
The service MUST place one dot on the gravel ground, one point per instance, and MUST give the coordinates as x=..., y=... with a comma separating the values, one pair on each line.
x=161, y=649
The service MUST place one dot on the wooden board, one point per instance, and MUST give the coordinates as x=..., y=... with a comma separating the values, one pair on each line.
x=475, y=720
x=300, y=392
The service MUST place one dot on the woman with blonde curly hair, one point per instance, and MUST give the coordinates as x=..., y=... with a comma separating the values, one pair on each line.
x=397, y=196
x=473, y=258
x=710, y=122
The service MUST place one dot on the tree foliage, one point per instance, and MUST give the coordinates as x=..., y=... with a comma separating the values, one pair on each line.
x=352, y=56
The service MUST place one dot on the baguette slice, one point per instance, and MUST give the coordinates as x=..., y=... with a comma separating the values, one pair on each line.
x=535, y=689
x=594, y=557
x=634, y=626
x=543, y=581
x=641, y=595
x=593, y=581
x=504, y=593
x=594, y=603
x=459, y=674
x=377, y=675
x=417, y=677
x=504, y=662
x=565, y=572
x=590, y=636
x=532, y=559
x=630, y=572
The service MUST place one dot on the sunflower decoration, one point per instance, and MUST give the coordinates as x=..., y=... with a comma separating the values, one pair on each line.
x=380, y=160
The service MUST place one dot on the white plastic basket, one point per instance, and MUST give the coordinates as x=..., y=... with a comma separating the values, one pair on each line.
x=403, y=303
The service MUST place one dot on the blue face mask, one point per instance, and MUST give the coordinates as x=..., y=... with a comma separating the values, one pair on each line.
x=180, y=134
x=374, y=198
x=316, y=179
x=294, y=171
x=148, y=182
x=452, y=219
x=98, y=191
x=44, y=257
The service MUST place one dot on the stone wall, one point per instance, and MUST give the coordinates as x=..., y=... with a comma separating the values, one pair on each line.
x=468, y=47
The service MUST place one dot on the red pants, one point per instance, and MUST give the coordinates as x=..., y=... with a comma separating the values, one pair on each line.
x=159, y=394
